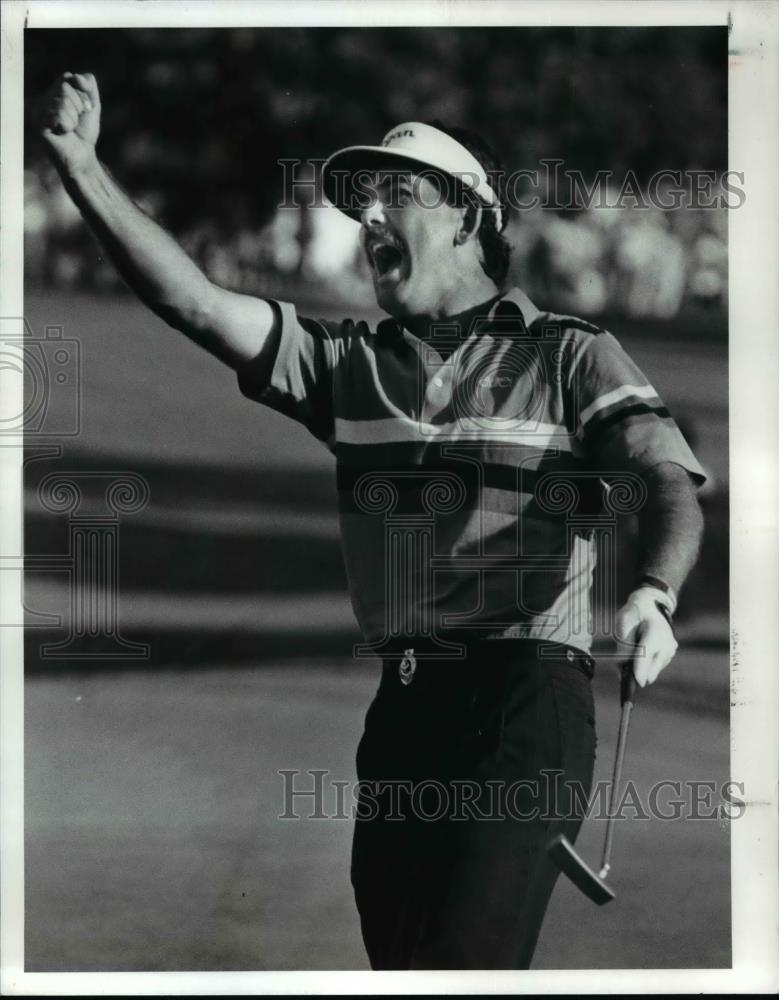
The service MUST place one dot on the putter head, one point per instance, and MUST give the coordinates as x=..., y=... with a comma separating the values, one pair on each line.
x=561, y=852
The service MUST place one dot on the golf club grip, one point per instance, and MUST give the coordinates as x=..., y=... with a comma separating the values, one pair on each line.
x=627, y=686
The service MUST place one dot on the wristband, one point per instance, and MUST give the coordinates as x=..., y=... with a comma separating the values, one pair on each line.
x=665, y=611
x=657, y=584
x=649, y=599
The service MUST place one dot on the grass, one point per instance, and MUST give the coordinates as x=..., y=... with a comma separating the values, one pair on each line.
x=154, y=843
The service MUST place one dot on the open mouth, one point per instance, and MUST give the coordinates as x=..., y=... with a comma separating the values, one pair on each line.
x=386, y=256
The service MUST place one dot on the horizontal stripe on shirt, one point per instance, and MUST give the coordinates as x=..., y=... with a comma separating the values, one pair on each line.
x=468, y=486
x=392, y=429
x=626, y=417
x=615, y=396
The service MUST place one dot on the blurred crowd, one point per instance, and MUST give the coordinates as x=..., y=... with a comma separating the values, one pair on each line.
x=196, y=133
x=638, y=262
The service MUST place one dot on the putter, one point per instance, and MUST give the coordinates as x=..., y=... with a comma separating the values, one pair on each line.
x=560, y=850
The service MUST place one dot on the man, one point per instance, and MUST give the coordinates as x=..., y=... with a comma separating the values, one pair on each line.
x=479, y=442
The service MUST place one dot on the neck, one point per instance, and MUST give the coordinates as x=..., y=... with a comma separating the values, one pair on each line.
x=457, y=307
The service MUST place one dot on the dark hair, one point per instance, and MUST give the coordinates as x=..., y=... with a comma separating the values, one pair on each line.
x=496, y=250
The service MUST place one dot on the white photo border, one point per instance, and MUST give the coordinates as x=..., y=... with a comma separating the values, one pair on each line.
x=754, y=489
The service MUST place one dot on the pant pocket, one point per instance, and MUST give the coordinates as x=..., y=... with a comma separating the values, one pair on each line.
x=528, y=723
x=577, y=740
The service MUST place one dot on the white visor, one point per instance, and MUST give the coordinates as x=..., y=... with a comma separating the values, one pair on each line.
x=413, y=144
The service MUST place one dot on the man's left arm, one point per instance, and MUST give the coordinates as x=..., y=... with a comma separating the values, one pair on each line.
x=670, y=530
x=624, y=426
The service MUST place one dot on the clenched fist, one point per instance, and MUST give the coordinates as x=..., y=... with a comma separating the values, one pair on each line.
x=70, y=121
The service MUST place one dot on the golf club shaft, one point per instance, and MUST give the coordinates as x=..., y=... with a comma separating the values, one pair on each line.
x=626, y=691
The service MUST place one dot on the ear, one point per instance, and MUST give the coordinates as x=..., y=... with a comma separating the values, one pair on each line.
x=470, y=220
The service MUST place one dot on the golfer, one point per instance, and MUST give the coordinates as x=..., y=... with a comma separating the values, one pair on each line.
x=482, y=447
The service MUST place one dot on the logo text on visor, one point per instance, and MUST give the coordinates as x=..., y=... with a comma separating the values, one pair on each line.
x=403, y=134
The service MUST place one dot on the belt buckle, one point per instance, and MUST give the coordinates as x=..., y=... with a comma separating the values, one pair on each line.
x=408, y=666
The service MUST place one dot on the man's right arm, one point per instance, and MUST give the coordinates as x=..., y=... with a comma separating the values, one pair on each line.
x=235, y=328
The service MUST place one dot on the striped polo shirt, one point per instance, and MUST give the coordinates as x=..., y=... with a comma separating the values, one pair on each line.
x=480, y=471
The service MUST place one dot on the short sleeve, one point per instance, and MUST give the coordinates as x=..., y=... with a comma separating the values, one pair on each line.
x=299, y=383
x=621, y=421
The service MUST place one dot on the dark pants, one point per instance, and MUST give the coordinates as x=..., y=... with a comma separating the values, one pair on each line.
x=466, y=773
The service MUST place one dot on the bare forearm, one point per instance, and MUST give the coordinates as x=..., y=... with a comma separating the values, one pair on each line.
x=670, y=526
x=149, y=259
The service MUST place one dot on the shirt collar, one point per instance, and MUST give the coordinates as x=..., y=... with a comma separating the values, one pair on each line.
x=513, y=301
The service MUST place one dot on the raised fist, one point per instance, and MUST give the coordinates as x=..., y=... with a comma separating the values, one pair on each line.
x=70, y=121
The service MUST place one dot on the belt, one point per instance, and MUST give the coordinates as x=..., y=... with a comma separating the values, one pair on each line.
x=414, y=652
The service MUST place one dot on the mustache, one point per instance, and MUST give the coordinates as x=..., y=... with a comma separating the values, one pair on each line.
x=375, y=235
